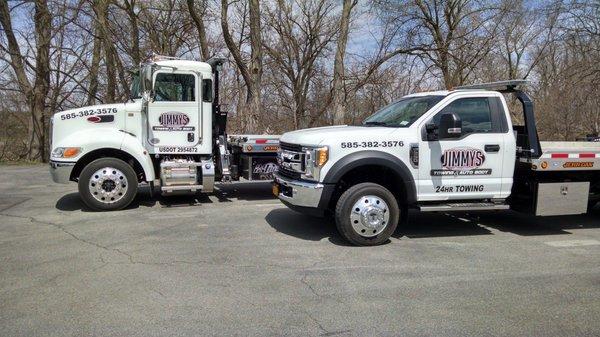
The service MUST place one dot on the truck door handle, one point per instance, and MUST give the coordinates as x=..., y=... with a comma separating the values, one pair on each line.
x=492, y=148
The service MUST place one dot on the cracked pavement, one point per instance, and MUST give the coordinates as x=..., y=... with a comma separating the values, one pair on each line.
x=238, y=263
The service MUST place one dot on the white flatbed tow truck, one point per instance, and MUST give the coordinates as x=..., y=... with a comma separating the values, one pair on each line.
x=443, y=151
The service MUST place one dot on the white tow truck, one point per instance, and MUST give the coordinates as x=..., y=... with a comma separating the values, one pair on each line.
x=434, y=151
x=171, y=135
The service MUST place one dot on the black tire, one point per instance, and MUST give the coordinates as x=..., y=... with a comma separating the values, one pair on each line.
x=86, y=193
x=344, y=209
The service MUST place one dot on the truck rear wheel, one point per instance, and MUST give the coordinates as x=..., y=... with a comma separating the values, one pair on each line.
x=107, y=184
x=367, y=214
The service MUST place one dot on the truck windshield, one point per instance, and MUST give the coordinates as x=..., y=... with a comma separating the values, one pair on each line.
x=404, y=112
x=136, y=88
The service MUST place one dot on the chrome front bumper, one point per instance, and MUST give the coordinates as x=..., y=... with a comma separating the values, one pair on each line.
x=299, y=193
x=61, y=171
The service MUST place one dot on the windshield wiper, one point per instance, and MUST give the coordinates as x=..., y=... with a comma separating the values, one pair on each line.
x=376, y=123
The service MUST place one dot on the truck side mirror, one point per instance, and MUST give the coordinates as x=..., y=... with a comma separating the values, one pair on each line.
x=450, y=126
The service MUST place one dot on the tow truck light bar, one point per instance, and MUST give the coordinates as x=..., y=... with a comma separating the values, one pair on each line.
x=501, y=86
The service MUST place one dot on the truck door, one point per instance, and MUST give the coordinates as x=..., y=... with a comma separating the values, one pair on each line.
x=469, y=166
x=174, y=113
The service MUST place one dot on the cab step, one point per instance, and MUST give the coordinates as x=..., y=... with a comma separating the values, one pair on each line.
x=180, y=188
x=463, y=206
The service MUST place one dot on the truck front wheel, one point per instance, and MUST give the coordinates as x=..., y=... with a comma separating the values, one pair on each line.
x=107, y=184
x=367, y=214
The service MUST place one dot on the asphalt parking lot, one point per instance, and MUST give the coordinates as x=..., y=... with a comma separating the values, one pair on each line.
x=238, y=263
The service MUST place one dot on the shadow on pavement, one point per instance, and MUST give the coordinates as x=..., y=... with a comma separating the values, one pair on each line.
x=304, y=227
x=528, y=225
x=72, y=202
x=477, y=223
x=425, y=225
x=223, y=193
x=244, y=191
x=429, y=225
x=421, y=225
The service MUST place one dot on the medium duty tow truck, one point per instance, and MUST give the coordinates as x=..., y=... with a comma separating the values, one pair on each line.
x=439, y=151
x=171, y=135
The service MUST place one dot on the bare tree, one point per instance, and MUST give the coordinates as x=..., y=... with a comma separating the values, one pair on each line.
x=338, y=92
x=35, y=93
x=301, y=33
x=200, y=26
x=130, y=6
x=101, y=10
x=252, y=72
x=298, y=63
x=95, y=65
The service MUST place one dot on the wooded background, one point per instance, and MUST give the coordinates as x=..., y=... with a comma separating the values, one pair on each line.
x=297, y=63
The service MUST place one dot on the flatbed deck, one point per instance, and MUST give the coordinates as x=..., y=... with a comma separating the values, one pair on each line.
x=566, y=156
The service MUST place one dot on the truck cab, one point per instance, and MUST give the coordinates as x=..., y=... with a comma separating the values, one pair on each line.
x=434, y=151
x=171, y=134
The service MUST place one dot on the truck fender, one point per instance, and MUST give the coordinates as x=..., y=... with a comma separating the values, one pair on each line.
x=369, y=158
x=133, y=146
x=95, y=139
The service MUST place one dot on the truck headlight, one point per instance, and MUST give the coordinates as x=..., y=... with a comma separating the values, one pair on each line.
x=314, y=159
x=65, y=152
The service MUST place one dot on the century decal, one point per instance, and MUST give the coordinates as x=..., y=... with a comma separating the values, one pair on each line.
x=462, y=158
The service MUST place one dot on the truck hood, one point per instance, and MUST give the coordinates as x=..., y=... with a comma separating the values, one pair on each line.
x=97, y=110
x=328, y=134
x=68, y=122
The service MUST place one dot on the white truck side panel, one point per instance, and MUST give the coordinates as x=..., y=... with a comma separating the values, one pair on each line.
x=456, y=187
x=107, y=138
x=132, y=146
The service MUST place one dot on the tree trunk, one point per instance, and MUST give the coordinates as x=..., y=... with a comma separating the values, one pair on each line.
x=43, y=24
x=35, y=94
x=338, y=90
x=95, y=66
x=129, y=7
x=101, y=9
x=200, y=27
x=254, y=101
x=251, y=74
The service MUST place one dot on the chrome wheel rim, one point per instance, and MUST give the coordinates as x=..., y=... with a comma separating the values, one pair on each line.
x=108, y=185
x=370, y=215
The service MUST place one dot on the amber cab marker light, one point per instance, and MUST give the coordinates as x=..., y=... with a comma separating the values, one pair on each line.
x=71, y=152
x=322, y=156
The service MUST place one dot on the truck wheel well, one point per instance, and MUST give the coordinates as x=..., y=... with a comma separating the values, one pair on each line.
x=108, y=153
x=377, y=174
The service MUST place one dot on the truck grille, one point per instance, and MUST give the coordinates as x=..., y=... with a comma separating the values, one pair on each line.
x=287, y=173
x=290, y=160
x=290, y=147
